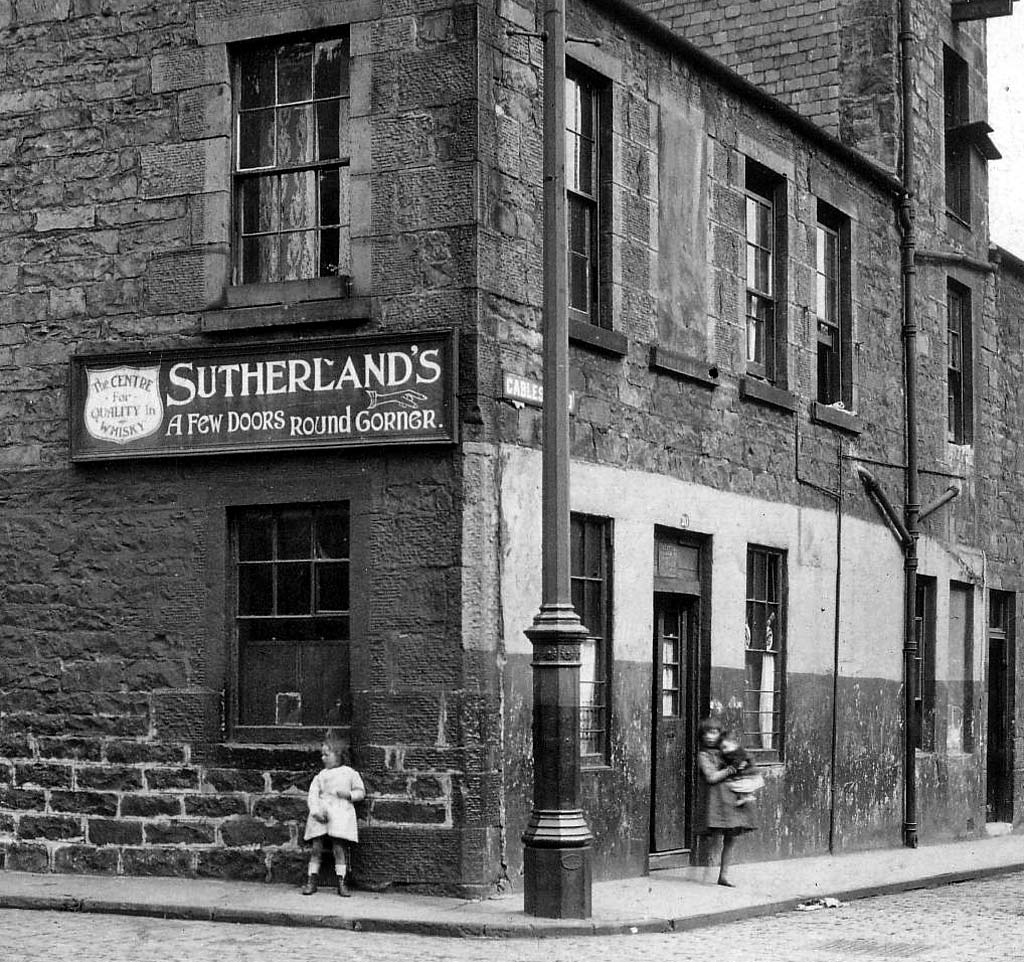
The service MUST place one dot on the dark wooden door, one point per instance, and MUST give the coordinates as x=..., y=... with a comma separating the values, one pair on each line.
x=675, y=618
x=999, y=800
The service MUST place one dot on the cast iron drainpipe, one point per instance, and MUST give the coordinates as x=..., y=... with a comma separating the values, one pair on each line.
x=909, y=544
x=912, y=505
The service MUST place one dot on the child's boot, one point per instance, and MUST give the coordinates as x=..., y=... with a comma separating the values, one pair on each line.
x=343, y=890
x=310, y=887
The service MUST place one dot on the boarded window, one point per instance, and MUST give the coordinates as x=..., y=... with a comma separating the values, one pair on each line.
x=292, y=616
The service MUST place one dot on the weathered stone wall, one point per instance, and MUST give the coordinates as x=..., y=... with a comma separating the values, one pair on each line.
x=115, y=134
x=1002, y=364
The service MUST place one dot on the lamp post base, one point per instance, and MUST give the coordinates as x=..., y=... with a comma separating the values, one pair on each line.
x=557, y=880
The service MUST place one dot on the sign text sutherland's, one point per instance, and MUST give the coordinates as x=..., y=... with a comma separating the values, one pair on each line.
x=325, y=393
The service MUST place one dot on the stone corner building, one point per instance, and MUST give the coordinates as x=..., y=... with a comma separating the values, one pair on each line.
x=270, y=349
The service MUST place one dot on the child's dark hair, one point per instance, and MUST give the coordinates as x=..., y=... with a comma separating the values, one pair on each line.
x=338, y=744
x=707, y=724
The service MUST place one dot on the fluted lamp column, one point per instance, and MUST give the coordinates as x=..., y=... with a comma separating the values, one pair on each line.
x=557, y=841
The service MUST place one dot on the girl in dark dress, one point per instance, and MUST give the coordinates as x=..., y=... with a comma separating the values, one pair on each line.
x=718, y=815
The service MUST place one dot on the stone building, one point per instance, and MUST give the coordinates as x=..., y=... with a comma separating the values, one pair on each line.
x=270, y=339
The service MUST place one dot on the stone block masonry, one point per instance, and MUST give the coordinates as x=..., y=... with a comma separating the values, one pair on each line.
x=114, y=806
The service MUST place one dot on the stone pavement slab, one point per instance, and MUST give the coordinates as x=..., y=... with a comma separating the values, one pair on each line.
x=664, y=901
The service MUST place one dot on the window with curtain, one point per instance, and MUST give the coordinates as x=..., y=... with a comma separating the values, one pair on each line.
x=761, y=267
x=765, y=681
x=291, y=172
x=590, y=557
x=583, y=126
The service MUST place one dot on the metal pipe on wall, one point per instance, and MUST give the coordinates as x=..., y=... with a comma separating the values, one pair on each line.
x=912, y=504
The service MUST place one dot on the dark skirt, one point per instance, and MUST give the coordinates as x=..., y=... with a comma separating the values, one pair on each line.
x=720, y=813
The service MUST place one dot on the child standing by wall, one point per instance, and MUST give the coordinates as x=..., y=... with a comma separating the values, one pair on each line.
x=332, y=813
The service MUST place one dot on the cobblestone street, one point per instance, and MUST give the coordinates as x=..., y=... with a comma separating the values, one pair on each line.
x=970, y=922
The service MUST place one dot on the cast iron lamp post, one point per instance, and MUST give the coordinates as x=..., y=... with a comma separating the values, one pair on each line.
x=556, y=843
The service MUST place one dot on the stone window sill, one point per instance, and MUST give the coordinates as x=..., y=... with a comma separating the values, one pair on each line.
x=599, y=339
x=683, y=366
x=760, y=392
x=348, y=309
x=836, y=418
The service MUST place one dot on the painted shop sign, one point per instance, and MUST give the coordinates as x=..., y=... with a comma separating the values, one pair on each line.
x=338, y=392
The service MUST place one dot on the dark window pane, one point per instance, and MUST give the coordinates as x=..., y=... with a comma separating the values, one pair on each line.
x=293, y=588
x=594, y=560
x=294, y=536
x=324, y=683
x=332, y=586
x=330, y=255
x=328, y=139
x=331, y=69
x=255, y=539
x=260, y=259
x=263, y=672
x=332, y=535
x=256, y=139
x=333, y=628
x=295, y=73
x=255, y=589
x=579, y=226
x=260, y=205
x=256, y=77
x=579, y=283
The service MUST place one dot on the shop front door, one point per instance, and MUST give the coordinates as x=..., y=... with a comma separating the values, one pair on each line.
x=675, y=634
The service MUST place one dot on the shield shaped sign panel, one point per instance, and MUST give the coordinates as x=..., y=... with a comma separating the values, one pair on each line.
x=123, y=404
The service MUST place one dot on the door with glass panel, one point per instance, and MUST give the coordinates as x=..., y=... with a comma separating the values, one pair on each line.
x=675, y=633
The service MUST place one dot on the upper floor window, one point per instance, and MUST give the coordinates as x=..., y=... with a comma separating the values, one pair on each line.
x=765, y=211
x=959, y=352
x=765, y=687
x=291, y=172
x=585, y=204
x=292, y=616
x=833, y=307
x=590, y=556
x=956, y=115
